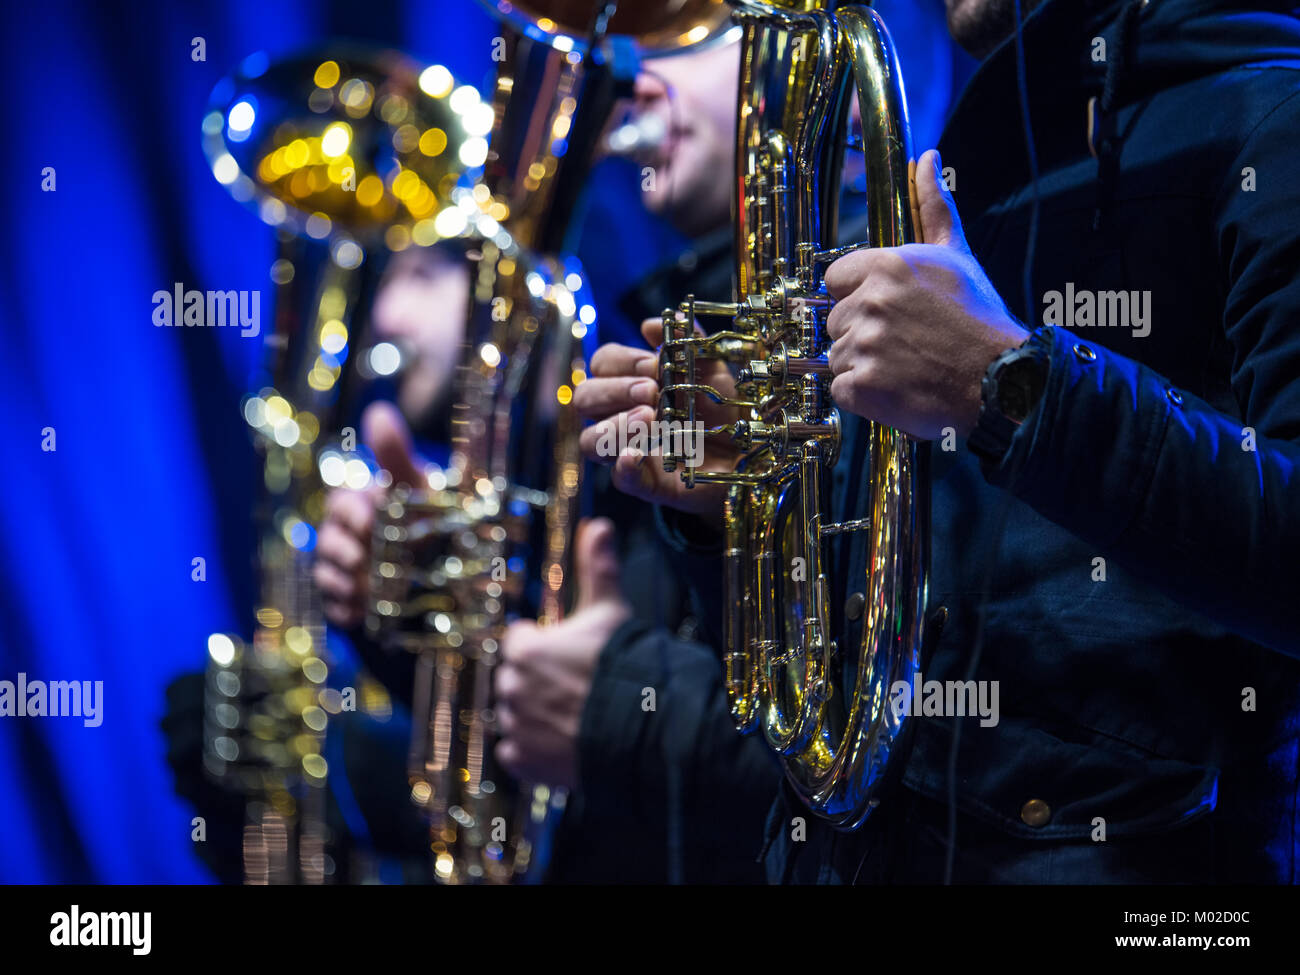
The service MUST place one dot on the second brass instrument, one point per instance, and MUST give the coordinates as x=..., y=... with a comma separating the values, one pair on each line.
x=490, y=538
x=823, y=708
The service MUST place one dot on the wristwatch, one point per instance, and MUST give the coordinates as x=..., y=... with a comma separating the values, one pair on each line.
x=1012, y=387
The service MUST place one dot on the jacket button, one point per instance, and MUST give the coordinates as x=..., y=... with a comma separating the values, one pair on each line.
x=1035, y=813
x=1174, y=396
x=854, y=605
x=1083, y=353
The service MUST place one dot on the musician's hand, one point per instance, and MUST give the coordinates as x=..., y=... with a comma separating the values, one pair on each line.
x=916, y=327
x=545, y=675
x=342, y=567
x=621, y=396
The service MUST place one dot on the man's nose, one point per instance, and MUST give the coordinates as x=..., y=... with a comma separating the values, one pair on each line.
x=649, y=88
x=391, y=313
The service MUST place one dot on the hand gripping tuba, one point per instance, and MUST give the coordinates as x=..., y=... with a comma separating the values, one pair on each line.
x=825, y=709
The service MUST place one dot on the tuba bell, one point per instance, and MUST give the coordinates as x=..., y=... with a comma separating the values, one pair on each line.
x=824, y=709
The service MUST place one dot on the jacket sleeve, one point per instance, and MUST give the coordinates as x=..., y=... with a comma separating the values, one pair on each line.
x=656, y=736
x=1204, y=505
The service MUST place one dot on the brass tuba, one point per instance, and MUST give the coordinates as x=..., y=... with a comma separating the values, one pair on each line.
x=324, y=146
x=823, y=708
x=490, y=538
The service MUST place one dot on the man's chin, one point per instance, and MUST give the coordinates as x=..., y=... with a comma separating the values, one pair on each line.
x=658, y=198
x=981, y=25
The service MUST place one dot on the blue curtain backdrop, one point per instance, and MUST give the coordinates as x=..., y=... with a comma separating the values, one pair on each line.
x=152, y=466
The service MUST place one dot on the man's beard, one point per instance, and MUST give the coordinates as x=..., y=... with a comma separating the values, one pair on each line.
x=981, y=25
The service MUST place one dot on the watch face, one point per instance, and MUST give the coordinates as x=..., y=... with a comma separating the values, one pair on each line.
x=1019, y=386
x=1014, y=403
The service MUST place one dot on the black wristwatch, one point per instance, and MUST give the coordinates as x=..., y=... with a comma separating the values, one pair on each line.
x=1011, y=389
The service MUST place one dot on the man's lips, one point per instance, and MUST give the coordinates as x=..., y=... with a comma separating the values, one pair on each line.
x=661, y=157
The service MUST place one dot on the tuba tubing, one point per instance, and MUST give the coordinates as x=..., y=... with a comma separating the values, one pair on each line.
x=785, y=673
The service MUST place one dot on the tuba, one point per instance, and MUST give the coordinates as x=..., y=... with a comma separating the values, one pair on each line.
x=489, y=538
x=824, y=709
x=330, y=146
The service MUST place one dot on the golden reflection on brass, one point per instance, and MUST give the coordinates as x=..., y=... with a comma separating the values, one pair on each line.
x=315, y=157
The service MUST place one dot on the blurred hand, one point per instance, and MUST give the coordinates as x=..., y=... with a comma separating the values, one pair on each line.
x=916, y=327
x=342, y=567
x=623, y=392
x=545, y=674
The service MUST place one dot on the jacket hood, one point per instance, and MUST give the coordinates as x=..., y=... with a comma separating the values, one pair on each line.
x=1179, y=40
x=1149, y=47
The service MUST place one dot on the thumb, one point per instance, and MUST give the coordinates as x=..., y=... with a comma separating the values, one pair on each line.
x=385, y=432
x=940, y=223
x=652, y=330
x=596, y=563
